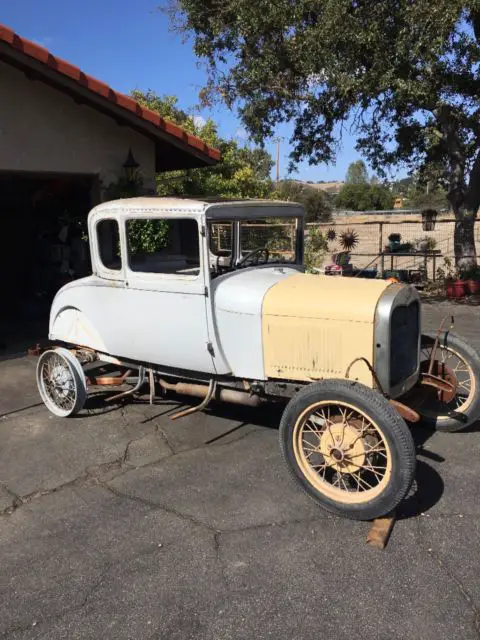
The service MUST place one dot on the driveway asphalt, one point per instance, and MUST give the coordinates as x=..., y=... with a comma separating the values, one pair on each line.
x=123, y=524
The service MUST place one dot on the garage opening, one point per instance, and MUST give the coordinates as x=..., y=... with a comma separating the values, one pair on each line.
x=43, y=245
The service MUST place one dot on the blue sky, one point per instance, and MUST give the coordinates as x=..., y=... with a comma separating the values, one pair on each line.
x=128, y=45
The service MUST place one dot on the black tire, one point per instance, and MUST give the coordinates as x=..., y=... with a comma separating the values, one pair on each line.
x=454, y=419
x=393, y=430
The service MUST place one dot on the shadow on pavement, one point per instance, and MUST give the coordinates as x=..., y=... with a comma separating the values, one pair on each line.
x=96, y=403
x=473, y=428
x=426, y=492
x=428, y=485
x=267, y=416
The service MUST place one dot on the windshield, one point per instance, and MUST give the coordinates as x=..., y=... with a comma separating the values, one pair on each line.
x=260, y=241
x=274, y=240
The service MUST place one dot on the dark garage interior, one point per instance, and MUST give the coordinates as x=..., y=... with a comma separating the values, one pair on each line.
x=42, y=246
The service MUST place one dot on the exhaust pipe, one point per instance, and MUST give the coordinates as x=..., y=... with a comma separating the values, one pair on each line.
x=201, y=390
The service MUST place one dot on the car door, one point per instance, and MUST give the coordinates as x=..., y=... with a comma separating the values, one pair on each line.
x=164, y=318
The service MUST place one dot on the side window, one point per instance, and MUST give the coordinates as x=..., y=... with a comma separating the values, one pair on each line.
x=108, y=235
x=221, y=238
x=169, y=246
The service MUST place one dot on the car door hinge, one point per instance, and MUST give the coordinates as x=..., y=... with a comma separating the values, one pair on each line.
x=202, y=230
x=206, y=292
x=210, y=349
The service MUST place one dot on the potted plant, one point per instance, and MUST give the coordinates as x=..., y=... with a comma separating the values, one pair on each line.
x=394, y=240
x=473, y=280
x=455, y=284
x=447, y=275
x=458, y=287
x=425, y=244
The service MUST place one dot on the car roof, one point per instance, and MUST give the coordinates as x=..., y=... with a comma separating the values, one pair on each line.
x=213, y=208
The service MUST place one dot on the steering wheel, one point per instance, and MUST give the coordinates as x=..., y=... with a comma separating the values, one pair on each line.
x=254, y=254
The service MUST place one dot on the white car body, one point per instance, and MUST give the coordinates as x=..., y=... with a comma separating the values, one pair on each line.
x=189, y=323
x=258, y=323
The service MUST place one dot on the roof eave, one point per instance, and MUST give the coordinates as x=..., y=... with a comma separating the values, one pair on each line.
x=174, y=147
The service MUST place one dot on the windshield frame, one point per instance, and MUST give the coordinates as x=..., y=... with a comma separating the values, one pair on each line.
x=236, y=255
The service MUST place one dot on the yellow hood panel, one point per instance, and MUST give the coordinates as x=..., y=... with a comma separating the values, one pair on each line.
x=314, y=326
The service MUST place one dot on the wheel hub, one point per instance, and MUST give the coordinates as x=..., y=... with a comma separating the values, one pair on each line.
x=62, y=380
x=343, y=448
x=443, y=372
x=337, y=454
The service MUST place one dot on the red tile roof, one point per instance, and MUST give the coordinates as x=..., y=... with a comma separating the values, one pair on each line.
x=100, y=88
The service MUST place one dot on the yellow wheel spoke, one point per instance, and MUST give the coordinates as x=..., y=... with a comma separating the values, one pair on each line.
x=361, y=482
x=344, y=451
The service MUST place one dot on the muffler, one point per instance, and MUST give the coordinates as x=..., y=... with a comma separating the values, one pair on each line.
x=223, y=395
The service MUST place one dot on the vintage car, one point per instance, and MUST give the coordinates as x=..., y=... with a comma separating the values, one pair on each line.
x=210, y=299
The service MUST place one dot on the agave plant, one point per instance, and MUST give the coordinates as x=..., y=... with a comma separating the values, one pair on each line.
x=348, y=239
x=331, y=235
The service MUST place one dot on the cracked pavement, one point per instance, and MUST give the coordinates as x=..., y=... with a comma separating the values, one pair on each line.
x=122, y=524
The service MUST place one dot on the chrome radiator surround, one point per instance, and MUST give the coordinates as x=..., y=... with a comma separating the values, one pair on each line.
x=396, y=295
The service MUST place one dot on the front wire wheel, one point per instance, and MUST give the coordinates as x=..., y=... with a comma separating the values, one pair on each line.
x=342, y=451
x=348, y=448
x=61, y=382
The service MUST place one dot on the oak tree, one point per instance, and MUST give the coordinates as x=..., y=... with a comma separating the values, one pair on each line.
x=402, y=74
x=357, y=173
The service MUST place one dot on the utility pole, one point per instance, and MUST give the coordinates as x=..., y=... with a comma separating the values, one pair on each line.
x=277, y=140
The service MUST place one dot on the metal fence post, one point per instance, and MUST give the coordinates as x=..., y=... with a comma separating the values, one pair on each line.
x=380, y=237
x=380, y=248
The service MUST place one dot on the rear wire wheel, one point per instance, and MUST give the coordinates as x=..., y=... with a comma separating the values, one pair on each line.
x=61, y=382
x=348, y=448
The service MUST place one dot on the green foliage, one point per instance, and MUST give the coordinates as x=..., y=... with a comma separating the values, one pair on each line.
x=357, y=173
x=471, y=274
x=147, y=236
x=242, y=172
x=144, y=236
x=448, y=272
x=422, y=190
x=403, y=187
x=426, y=243
x=402, y=74
x=167, y=107
x=364, y=197
x=315, y=201
x=435, y=199
x=315, y=247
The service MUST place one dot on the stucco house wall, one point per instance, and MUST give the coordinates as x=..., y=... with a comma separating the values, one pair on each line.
x=45, y=130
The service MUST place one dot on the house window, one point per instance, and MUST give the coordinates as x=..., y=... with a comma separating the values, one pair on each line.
x=108, y=235
x=159, y=245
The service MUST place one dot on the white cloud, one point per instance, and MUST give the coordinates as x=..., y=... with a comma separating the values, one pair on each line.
x=199, y=121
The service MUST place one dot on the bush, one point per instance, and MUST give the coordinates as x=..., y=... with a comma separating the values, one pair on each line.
x=364, y=197
x=147, y=236
x=315, y=247
x=316, y=202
